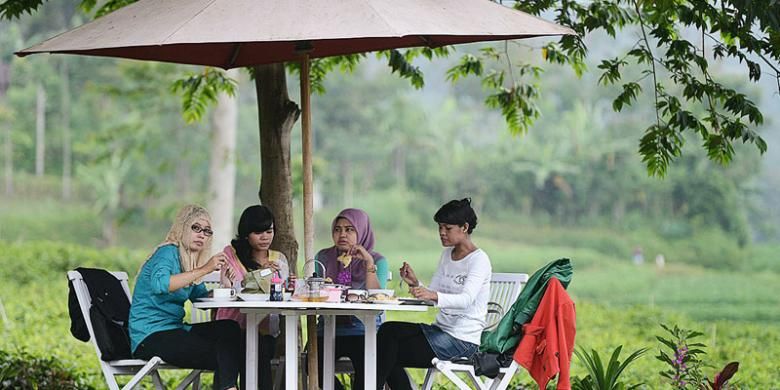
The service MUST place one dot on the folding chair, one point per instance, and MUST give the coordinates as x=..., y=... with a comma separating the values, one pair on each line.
x=138, y=368
x=504, y=290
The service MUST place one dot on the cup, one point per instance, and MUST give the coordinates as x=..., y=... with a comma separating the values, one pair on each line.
x=224, y=293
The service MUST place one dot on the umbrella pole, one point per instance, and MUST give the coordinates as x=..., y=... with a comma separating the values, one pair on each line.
x=308, y=214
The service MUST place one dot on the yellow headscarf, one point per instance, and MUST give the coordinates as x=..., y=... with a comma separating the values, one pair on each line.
x=180, y=234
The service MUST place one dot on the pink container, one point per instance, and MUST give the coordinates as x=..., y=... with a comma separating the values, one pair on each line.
x=333, y=293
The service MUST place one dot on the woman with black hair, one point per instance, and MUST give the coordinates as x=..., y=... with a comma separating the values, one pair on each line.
x=460, y=287
x=250, y=250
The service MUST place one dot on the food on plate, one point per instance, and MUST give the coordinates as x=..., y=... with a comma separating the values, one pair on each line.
x=380, y=297
x=345, y=259
x=353, y=297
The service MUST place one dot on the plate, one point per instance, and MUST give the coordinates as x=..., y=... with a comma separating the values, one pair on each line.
x=253, y=297
x=415, y=301
x=383, y=301
x=260, y=297
x=209, y=299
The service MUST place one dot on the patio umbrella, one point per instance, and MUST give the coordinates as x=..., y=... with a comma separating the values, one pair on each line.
x=238, y=33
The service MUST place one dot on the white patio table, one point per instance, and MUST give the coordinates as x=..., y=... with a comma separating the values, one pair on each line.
x=292, y=311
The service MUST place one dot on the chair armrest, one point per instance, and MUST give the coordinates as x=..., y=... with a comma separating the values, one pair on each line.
x=494, y=308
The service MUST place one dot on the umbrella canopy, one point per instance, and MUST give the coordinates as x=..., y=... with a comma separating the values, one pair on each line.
x=238, y=33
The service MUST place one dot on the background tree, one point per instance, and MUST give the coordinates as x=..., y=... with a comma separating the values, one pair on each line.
x=715, y=113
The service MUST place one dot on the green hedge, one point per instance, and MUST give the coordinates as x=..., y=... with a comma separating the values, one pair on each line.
x=42, y=261
x=21, y=370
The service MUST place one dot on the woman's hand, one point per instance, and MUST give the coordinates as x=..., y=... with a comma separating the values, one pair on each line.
x=407, y=274
x=216, y=262
x=362, y=253
x=184, y=279
x=424, y=294
x=273, y=265
x=231, y=275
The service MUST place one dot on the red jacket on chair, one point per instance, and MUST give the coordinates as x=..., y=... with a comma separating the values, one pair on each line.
x=548, y=340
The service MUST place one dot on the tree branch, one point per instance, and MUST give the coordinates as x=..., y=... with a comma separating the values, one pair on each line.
x=652, y=63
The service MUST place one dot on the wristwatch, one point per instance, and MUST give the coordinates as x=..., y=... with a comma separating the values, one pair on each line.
x=371, y=268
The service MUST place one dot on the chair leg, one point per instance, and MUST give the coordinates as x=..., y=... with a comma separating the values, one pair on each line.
x=478, y=384
x=507, y=377
x=158, y=383
x=412, y=383
x=430, y=376
x=455, y=379
x=150, y=368
x=192, y=378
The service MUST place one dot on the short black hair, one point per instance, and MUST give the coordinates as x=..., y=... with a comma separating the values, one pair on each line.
x=457, y=212
x=255, y=219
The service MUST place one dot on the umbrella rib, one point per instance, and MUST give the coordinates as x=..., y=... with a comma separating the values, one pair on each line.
x=234, y=55
x=188, y=20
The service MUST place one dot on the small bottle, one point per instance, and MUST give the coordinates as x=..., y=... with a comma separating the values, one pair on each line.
x=277, y=288
x=291, y=284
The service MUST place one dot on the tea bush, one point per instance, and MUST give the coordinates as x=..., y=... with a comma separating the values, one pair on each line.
x=46, y=261
x=21, y=370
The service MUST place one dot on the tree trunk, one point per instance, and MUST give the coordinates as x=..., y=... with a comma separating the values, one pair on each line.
x=183, y=178
x=618, y=210
x=348, y=187
x=66, y=146
x=5, y=82
x=399, y=166
x=222, y=167
x=277, y=117
x=8, y=151
x=40, y=131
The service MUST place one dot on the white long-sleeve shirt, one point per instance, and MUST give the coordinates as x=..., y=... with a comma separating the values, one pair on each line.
x=463, y=287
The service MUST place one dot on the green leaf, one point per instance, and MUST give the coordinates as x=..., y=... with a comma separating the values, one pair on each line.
x=11, y=9
x=399, y=64
x=469, y=65
x=200, y=90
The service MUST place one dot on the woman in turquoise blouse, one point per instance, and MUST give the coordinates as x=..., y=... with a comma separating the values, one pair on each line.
x=171, y=276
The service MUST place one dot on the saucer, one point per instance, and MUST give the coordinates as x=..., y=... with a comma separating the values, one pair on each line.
x=253, y=297
x=225, y=299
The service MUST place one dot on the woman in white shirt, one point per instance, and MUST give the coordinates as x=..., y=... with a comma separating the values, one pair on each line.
x=460, y=287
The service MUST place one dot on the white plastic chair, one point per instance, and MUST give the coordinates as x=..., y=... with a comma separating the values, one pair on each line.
x=504, y=290
x=138, y=368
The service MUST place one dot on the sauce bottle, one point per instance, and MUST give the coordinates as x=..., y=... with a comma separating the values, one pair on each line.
x=277, y=288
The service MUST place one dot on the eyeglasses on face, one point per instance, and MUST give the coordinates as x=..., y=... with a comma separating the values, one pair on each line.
x=198, y=229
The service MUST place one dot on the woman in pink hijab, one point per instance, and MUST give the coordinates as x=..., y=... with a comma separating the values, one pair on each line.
x=352, y=261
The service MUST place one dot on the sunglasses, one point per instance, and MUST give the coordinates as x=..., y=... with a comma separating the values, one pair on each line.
x=198, y=229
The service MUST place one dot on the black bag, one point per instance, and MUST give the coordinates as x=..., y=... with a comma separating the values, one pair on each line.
x=109, y=314
x=487, y=363
x=112, y=337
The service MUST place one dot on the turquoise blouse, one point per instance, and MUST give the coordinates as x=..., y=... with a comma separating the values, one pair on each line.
x=154, y=308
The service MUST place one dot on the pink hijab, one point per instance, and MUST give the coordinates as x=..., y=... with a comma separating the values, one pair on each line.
x=365, y=237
